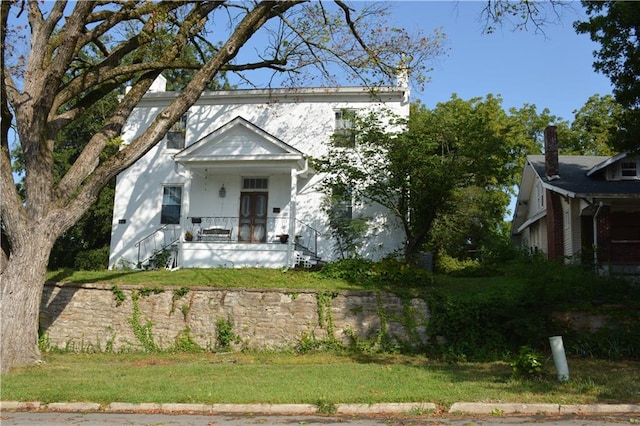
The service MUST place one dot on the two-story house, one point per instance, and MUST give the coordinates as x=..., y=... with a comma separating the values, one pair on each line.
x=581, y=207
x=231, y=185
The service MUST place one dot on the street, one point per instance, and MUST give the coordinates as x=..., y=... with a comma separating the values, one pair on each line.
x=157, y=419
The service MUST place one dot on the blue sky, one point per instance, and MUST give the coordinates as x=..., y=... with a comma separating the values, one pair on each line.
x=552, y=70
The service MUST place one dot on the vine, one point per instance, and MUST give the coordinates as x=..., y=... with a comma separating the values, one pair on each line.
x=118, y=295
x=325, y=316
x=177, y=294
x=142, y=332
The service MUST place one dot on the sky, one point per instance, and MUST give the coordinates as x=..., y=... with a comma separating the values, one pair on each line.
x=552, y=70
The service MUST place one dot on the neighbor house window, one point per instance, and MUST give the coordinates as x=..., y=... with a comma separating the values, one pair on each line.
x=171, y=203
x=176, y=135
x=345, y=135
x=629, y=168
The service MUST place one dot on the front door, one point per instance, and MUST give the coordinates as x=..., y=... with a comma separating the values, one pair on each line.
x=253, y=217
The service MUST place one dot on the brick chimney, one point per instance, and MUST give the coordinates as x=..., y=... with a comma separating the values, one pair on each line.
x=552, y=166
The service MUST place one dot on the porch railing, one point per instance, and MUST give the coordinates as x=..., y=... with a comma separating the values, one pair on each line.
x=273, y=230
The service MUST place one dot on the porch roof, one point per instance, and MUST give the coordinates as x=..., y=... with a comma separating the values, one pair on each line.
x=241, y=145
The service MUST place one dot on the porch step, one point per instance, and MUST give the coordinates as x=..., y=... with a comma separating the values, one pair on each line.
x=306, y=261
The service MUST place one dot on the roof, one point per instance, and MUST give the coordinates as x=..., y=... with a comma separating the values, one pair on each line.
x=578, y=177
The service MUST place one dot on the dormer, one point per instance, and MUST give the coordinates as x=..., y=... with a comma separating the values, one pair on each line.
x=619, y=167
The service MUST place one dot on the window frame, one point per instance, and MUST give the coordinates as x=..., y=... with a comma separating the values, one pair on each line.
x=167, y=218
x=172, y=141
x=630, y=165
x=344, y=135
x=255, y=180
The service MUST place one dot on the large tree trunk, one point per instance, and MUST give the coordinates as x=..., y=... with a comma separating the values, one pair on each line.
x=21, y=284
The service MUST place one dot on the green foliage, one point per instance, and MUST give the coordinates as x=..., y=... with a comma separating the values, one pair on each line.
x=118, y=295
x=142, y=329
x=613, y=24
x=326, y=407
x=225, y=335
x=148, y=291
x=93, y=260
x=159, y=259
x=446, y=264
x=347, y=231
x=477, y=325
x=388, y=273
x=528, y=364
x=186, y=343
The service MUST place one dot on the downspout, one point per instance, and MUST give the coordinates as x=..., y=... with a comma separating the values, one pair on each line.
x=595, y=236
x=292, y=211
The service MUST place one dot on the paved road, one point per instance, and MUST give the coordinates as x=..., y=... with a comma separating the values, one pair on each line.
x=91, y=419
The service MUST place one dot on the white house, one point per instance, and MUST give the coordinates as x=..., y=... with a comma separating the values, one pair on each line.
x=579, y=207
x=234, y=175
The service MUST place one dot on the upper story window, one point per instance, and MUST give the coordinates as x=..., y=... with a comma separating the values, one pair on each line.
x=176, y=135
x=344, y=134
x=539, y=196
x=260, y=184
x=171, y=204
x=629, y=168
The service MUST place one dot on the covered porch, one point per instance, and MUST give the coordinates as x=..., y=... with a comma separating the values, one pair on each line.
x=240, y=201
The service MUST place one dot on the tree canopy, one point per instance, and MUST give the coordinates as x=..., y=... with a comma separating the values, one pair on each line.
x=614, y=25
x=434, y=164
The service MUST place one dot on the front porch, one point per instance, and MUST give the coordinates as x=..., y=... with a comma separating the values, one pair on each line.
x=229, y=242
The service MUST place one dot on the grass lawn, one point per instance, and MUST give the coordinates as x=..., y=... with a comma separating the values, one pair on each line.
x=215, y=277
x=315, y=378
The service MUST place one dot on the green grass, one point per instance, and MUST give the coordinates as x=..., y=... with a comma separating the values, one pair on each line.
x=216, y=277
x=325, y=376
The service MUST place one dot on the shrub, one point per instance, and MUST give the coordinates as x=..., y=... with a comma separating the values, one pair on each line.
x=388, y=272
x=93, y=260
x=528, y=364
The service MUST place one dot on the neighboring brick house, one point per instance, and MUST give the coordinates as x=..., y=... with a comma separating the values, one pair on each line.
x=231, y=181
x=581, y=208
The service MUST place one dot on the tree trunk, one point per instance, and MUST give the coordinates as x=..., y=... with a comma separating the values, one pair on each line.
x=22, y=283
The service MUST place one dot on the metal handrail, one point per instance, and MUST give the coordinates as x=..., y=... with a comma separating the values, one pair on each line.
x=158, y=240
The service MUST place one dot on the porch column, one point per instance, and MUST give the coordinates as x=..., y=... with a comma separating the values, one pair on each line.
x=292, y=218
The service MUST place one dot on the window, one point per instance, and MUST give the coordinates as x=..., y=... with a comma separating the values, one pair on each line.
x=176, y=135
x=345, y=135
x=171, y=203
x=629, y=168
x=255, y=183
x=343, y=203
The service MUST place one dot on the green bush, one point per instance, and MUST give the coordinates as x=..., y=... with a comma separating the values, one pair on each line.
x=386, y=273
x=93, y=260
x=529, y=364
x=446, y=264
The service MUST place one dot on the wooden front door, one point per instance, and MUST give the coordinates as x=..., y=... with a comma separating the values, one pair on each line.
x=253, y=217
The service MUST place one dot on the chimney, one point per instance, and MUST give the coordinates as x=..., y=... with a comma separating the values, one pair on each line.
x=552, y=166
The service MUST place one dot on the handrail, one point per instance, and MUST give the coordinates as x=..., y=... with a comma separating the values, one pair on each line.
x=158, y=240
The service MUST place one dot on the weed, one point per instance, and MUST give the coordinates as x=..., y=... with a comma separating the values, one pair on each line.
x=225, y=335
x=118, y=295
x=528, y=363
x=326, y=407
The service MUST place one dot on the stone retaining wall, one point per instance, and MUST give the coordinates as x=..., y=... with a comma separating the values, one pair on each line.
x=99, y=317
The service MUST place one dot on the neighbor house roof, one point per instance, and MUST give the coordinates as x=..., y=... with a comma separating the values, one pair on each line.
x=578, y=177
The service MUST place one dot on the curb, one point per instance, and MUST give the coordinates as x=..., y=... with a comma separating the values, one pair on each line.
x=416, y=408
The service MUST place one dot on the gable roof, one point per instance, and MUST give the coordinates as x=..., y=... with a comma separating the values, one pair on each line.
x=240, y=143
x=579, y=178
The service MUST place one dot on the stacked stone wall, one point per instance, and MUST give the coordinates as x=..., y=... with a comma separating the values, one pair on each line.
x=102, y=317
